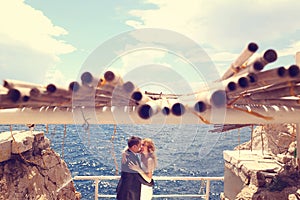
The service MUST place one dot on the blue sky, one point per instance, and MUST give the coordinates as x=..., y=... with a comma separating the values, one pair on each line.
x=49, y=41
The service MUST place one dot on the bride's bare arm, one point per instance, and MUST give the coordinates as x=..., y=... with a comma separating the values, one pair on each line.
x=137, y=168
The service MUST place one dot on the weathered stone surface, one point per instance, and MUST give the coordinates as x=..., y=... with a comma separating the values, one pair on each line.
x=271, y=138
x=22, y=142
x=38, y=173
x=257, y=179
x=5, y=150
x=283, y=158
x=274, y=173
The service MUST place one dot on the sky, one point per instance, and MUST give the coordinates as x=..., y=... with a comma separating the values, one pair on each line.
x=186, y=42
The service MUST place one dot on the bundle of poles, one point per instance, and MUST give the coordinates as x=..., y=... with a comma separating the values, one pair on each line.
x=245, y=85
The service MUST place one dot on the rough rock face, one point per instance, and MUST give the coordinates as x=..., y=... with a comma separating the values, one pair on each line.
x=37, y=173
x=272, y=138
x=279, y=142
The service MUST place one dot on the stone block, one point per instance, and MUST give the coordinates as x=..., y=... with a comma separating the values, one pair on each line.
x=257, y=179
x=244, y=177
x=227, y=156
x=38, y=135
x=228, y=165
x=4, y=136
x=245, y=170
x=23, y=142
x=283, y=158
x=5, y=150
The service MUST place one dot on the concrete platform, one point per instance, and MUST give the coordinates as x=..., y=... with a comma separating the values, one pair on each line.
x=242, y=167
x=20, y=142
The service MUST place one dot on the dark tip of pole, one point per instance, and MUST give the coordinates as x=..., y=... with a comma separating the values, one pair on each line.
x=14, y=95
x=178, y=109
x=109, y=76
x=145, y=111
x=218, y=98
x=25, y=98
x=165, y=111
x=5, y=84
x=231, y=86
x=74, y=86
x=281, y=71
x=270, y=55
x=51, y=88
x=86, y=78
x=258, y=66
x=243, y=82
x=293, y=70
x=252, y=47
x=252, y=77
x=137, y=96
x=200, y=106
x=34, y=92
x=128, y=86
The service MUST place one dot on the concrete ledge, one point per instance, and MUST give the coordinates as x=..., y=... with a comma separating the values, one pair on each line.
x=5, y=150
x=22, y=142
x=243, y=167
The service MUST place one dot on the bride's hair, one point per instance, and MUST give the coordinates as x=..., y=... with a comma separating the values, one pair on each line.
x=149, y=144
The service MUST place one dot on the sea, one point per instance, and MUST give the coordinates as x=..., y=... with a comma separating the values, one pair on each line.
x=182, y=150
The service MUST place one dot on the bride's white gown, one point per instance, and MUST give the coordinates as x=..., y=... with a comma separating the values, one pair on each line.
x=146, y=191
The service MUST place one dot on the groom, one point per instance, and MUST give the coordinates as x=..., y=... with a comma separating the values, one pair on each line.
x=129, y=186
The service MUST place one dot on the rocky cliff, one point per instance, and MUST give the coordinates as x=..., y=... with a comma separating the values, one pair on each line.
x=30, y=169
x=264, y=168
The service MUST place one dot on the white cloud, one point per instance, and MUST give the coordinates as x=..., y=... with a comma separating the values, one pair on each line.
x=291, y=49
x=28, y=42
x=226, y=26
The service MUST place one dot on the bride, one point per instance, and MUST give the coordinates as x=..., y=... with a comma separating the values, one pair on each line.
x=148, y=164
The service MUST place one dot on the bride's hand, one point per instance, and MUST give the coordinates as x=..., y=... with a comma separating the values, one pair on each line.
x=134, y=166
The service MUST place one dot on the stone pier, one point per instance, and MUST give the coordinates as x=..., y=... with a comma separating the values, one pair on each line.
x=30, y=169
x=253, y=175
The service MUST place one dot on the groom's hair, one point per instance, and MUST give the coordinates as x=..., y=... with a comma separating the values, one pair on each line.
x=133, y=140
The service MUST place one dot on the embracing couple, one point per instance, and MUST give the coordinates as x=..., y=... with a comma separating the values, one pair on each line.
x=138, y=163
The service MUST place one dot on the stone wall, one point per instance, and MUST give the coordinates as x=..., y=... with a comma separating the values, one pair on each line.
x=30, y=169
x=268, y=170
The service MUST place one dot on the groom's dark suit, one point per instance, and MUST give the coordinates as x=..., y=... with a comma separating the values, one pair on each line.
x=129, y=186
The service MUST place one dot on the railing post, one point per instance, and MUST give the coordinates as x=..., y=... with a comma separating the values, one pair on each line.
x=96, y=188
x=207, y=189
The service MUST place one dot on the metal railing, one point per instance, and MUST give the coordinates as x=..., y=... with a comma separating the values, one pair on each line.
x=97, y=179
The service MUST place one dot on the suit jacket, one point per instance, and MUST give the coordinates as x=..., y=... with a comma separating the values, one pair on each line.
x=129, y=186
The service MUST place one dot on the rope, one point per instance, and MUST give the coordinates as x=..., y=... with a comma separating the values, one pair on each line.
x=239, y=140
x=113, y=149
x=86, y=126
x=201, y=118
x=63, y=142
x=252, y=129
x=262, y=140
x=251, y=113
x=292, y=90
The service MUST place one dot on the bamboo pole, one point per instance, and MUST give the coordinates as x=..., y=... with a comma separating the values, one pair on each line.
x=289, y=91
x=259, y=63
x=288, y=103
x=113, y=78
x=9, y=83
x=235, y=67
x=269, y=80
x=128, y=115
